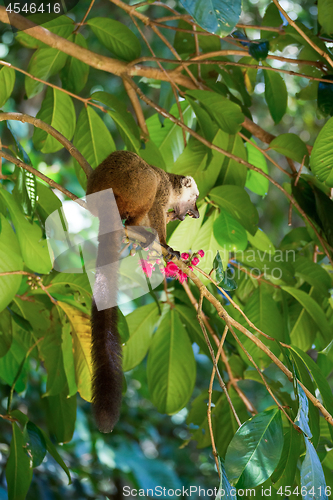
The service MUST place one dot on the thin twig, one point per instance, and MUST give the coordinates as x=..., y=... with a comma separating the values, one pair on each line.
x=266, y=155
x=137, y=109
x=221, y=381
x=81, y=23
x=210, y=391
x=268, y=389
x=212, y=333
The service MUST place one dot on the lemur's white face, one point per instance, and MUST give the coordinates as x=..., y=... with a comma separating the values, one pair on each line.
x=186, y=204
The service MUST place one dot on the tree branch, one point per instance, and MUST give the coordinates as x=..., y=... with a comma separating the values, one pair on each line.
x=49, y=181
x=94, y=60
x=22, y=117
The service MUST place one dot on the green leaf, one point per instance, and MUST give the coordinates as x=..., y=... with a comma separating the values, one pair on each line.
x=226, y=114
x=18, y=469
x=58, y=111
x=171, y=366
x=207, y=125
x=11, y=363
x=34, y=248
x=324, y=206
x=292, y=146
x=6, y=333
x=325, y=96
x=314, y=310
x=229, y=233
x=312, y=475
x=310, y=92
x=225, y=487
x=233, y=172
x=302, y=417
x=7, y=80
x=275, y=94
x=169, y=138
x=44, y=63
x=206, y=240
x=259, y=49
x=271, y=18
x=52, y=355
x=141, y=324
x=302, y=374
x=319, y=380
x=116, y=37
x=151, y=154
x=256, y=182
x=284, y=473
x=215, y=16
x=37, y=445
x=123, y=327
x=262, y=311
x=68, y=357
x=322, y=155
x=47, y=200
x=184, y=43
x=200, y=162
x=92, y=139
x=325, y=16
x=218, y=268
x=276, y=267
x=53, y=451
x=189, y=319
x=261, y=241
x=224, y=422
x=261, y=442
x=312, y=273
x=9, y=261
x=61, y=416
x=124, y=121
x=25, y=191
x=75, y=74
x=61, y=26
x=75, y=285
x=237, y=202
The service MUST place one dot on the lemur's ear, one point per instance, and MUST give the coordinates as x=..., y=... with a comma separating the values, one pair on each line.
x=187, y=181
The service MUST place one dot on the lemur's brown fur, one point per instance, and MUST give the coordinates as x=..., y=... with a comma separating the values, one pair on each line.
x=144, y=195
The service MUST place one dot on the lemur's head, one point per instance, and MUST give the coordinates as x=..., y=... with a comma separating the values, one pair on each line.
x=186, y=203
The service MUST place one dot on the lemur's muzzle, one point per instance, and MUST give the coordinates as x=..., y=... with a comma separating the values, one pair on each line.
x=194, y=213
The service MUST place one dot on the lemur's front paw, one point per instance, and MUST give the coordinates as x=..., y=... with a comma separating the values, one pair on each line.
x=150, y=237
x=147, y=235
x=172, y=253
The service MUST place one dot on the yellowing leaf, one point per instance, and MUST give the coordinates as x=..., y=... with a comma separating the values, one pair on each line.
x=81, y=335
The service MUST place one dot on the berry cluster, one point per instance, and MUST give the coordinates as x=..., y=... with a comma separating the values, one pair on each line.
x=171, y=270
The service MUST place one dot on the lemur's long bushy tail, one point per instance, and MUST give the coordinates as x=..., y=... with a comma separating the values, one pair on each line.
x=106, y=344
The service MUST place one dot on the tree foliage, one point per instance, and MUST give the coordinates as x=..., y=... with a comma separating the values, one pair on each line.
x=242, y=348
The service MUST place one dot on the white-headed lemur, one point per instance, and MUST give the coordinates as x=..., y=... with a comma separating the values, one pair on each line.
x=144, y=195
